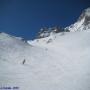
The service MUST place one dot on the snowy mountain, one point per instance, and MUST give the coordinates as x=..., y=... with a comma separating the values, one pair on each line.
x=57, y=61
x=46, y=32
x=83, y=23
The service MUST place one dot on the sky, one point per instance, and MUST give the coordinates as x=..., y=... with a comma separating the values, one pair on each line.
x=24, y=18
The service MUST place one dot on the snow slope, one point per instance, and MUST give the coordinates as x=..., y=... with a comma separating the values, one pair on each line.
x=58, y=62
x=62, y=64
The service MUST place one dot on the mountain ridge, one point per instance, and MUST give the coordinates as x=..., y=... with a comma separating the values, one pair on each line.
x=83, y=22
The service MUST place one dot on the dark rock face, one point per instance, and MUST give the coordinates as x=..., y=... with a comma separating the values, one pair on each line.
x=87, y=20
x=85, y=14
x=45, y=32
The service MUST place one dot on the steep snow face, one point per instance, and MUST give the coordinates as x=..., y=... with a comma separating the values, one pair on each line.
x=13, y=49
x=83, y=23
x=61, y=64
x=9, y=46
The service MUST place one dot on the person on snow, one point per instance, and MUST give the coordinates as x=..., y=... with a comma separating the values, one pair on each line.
x=24, y=61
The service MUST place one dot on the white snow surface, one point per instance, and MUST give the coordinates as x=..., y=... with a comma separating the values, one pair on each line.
x=58, y=62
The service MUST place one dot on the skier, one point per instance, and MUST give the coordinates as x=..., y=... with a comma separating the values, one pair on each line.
x=24, y=61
